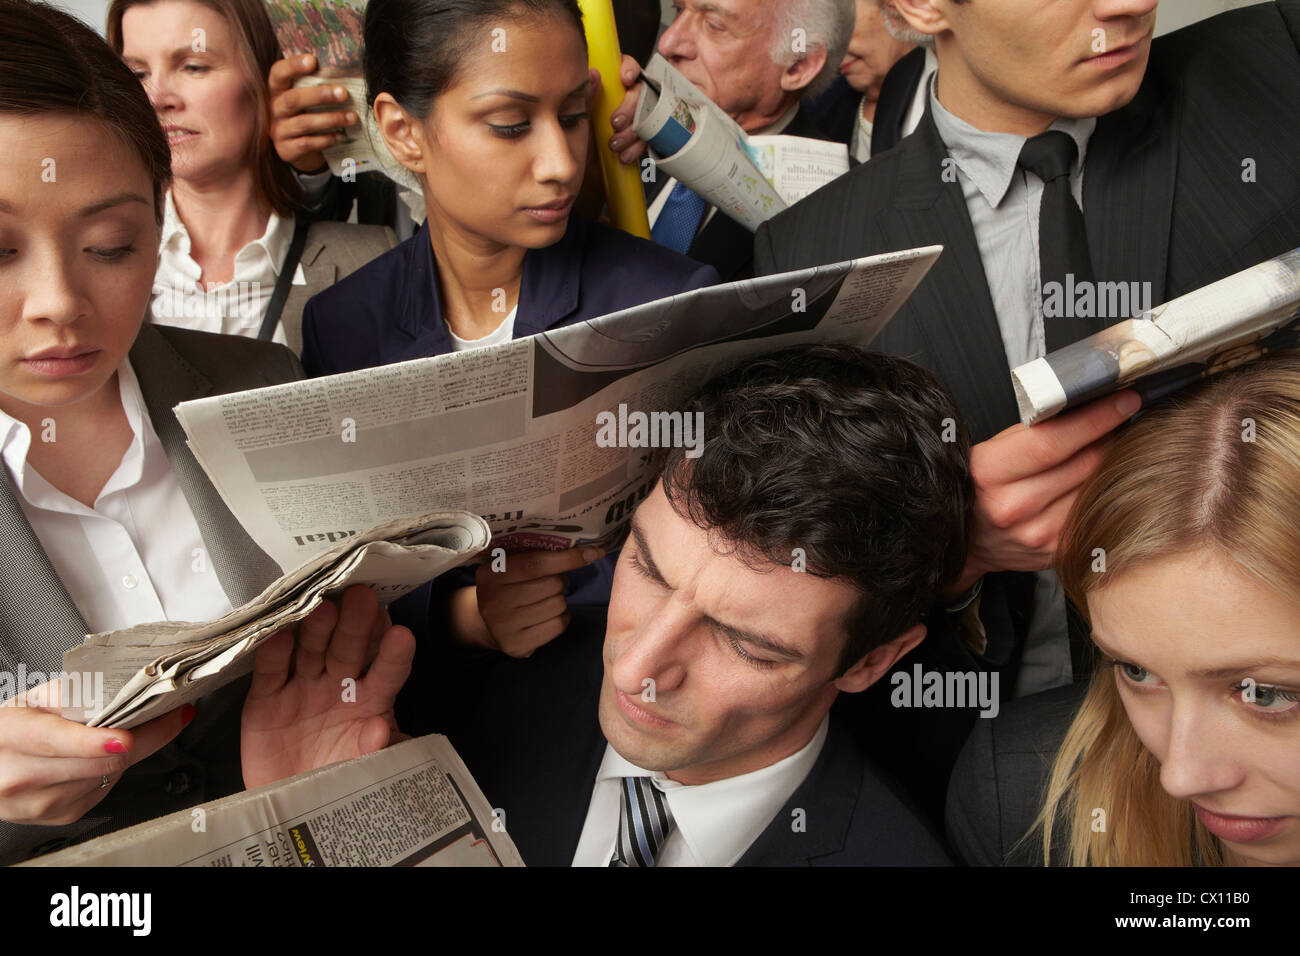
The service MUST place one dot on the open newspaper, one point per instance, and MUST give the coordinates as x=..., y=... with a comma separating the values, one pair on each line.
x=151, y=669
x=332, y=31
x=551, y=438
x=1223, y=324
x=412, y=804
x=750, y=178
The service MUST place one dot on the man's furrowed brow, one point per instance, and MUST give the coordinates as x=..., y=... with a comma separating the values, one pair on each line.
x=769, y=644
x=643, y=550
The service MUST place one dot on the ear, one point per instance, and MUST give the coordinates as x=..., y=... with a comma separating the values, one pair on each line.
x=803, y=70
x=922, y=15
x=877, y=663
x=403, y=134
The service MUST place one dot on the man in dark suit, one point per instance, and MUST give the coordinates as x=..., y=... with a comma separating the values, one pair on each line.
x=1182, y=153
x=793, y=560
x=756, y=60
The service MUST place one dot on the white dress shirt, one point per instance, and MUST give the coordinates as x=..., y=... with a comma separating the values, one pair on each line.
x=137, y=556
x=715, y=823
x=502, y=333
x=235, y=307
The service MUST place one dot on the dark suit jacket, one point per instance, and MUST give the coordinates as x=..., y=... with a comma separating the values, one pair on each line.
x=38, y=620
x=1164, y=200
x=999, y=778
x=896, y=93
x=724, y=243
x=528, y=731
x=835, y=111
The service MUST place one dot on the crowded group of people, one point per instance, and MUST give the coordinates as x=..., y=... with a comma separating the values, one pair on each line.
x=1126, y=578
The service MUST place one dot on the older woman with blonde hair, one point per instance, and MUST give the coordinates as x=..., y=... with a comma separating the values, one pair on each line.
x=1183, y=554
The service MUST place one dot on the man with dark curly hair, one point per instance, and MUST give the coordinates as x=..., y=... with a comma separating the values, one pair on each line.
x=791, y=560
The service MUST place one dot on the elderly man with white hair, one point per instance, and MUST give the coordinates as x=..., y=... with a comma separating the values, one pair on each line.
x=756, y=59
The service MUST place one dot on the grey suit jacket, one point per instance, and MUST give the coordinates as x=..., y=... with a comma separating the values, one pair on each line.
x=38, y=620
x=333, y=250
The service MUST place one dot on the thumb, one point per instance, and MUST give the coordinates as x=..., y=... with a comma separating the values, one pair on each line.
x=373, y=736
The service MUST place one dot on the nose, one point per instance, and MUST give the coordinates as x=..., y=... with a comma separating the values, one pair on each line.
x=676, y=42
x=657, y=651
x=52, y=291
x=1199, y=760
x=161, y=92
x=1112, y=9
x=555, y=160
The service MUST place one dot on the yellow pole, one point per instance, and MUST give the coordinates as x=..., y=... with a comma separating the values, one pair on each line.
x=622, y=183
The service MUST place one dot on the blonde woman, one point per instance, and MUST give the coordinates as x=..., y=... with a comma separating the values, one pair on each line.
x=1183, y=552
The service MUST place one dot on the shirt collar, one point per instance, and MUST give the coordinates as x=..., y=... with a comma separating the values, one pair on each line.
x=782, y=121
x=720, y=820
x=989, y=159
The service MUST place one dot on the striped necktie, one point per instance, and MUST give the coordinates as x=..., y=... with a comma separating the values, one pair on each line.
x=644, y=823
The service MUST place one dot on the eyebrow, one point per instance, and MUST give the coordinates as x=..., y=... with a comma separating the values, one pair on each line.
x=1218, y=673
x=93, y=209
x=529, y=97
x=715, y=8
x=761, y=641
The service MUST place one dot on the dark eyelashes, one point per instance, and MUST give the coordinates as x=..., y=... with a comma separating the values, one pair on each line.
x=515, y=130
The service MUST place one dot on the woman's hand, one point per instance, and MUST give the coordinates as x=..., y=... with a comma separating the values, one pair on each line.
x=519, y=608
x=336, y=700
x=53, y=770
x=299, y=135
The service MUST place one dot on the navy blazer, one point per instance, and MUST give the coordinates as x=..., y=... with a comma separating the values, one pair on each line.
x=529, y=733
x=390, y=311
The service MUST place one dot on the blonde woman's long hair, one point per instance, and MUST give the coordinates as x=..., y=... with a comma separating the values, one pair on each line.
x=1216, y=466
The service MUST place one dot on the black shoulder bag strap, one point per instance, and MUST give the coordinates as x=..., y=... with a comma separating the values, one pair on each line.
x=287, y=271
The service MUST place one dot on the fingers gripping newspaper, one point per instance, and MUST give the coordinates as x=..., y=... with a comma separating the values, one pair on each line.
x=549, y=438
x=412, y=804
x=750, y=178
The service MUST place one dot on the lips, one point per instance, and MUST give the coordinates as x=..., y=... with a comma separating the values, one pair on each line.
x=552, y=212
x=1239, y=829
x=639, y=714
x=63, y=360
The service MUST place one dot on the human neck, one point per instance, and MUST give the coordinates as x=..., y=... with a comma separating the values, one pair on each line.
x=967, y=98
x=221, y=216
x=757, y=120
x=478, y=279
x=798, y=736
x=869, y=106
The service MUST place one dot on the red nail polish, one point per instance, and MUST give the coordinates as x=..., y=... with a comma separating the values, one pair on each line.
x=187, y=714
x=114, y=746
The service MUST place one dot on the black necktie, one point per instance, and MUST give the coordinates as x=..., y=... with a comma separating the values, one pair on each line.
x=1062, y=240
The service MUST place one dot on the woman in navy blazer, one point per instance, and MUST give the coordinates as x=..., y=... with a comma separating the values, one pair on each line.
x=485, y=102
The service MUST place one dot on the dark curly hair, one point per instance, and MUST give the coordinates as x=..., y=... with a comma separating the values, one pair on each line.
x=840, y=452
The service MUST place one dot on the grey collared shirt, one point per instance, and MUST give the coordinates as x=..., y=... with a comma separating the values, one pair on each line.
x=1003, y=201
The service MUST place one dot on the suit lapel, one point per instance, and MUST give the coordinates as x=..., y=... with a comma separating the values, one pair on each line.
x=1128, y=190
x=167, y=379
x=38, y=620
x=949, y=323
x=320, y=276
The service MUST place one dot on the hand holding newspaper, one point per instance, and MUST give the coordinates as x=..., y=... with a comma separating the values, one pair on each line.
x=1211, y=329
x=151, y=669
x=750, y=178
x=411, y=804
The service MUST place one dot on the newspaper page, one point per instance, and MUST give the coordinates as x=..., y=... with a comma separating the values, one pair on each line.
x=702, y=147
x=150, y=669
x=411, y=804
x=797, y=166
x=1213, y=328
x=551, y=438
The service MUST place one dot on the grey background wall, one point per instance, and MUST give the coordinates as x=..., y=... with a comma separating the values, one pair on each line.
x=1173, y=13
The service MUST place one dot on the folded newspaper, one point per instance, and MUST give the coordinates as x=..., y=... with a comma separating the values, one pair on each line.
x=1223, y=324
x=151, y=669
x=412, y=804
x=551, y=438
x=750, y=178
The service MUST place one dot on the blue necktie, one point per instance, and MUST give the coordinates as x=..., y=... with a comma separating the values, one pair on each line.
x=678, y=219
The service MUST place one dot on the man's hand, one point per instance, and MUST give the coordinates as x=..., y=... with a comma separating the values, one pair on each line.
x=52, y=769
x=329, y=706
x=517, y=610
x=1026, y=481
x=627, y=144
x=300, y=136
